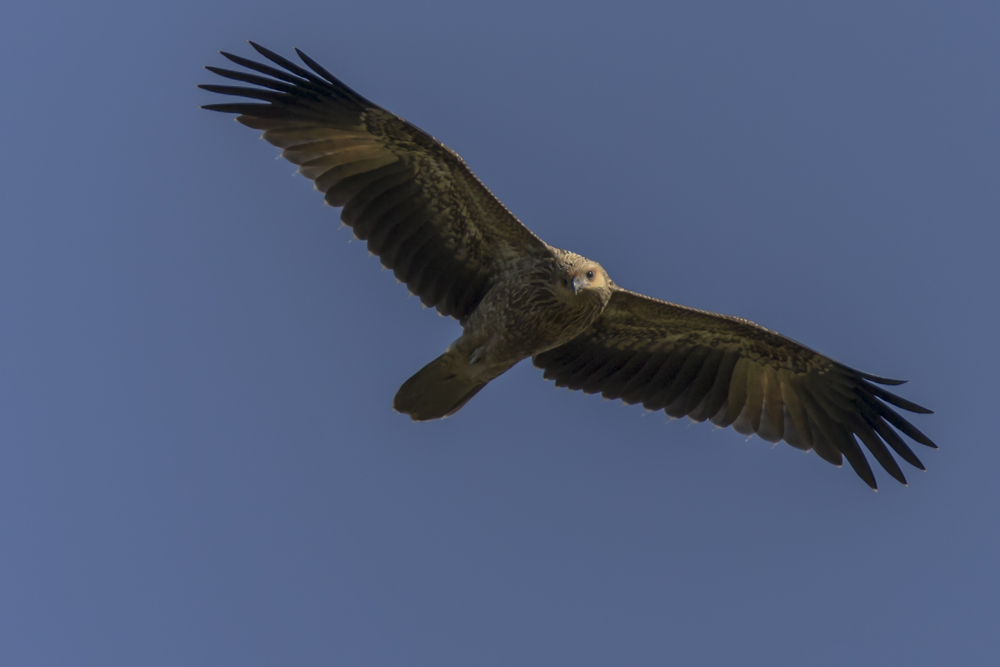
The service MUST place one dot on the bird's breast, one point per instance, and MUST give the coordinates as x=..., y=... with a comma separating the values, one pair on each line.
x=523, y=318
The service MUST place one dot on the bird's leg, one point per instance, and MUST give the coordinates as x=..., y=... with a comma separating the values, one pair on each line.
x=472, y=347
x=477, y=355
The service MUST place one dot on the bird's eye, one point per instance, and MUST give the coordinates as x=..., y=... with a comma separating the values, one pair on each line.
x=590, y=275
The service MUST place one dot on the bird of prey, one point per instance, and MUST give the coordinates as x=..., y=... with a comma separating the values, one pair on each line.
x=443, y=233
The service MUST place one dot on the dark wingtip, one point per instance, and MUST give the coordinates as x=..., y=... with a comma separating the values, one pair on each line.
x=912, y=407
x=865, y=473
x=232, y=57
x=893, y=468
x=898, y=401
x=862, y=468
x=228, y=108
x=263, y=50
x=878, y=379
x=316, y=67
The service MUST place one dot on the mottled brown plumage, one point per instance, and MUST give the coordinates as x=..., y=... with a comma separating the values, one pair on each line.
x=431, y=221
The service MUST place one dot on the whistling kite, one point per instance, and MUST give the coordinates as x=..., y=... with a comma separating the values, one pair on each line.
x=431, y=221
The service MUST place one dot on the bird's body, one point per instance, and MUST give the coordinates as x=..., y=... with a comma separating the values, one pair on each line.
x=536, y=307
x=430, y=220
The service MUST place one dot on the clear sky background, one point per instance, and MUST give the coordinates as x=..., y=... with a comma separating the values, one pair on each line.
x=199, y=463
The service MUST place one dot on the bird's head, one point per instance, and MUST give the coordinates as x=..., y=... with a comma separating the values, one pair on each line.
x=591, y=277
x=584, y=278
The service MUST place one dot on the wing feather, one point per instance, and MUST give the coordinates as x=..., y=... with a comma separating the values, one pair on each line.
x=665, y=377
x=716, y=399
x=414, y=200
x=798, y=435
x=614, y=386
x=682, y=385
x=737, y=392
x=701, y=385
x=773, y=403
x=755, y=396
x=736, y=373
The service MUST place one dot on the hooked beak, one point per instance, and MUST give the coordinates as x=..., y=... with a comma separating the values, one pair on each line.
x=578, y=284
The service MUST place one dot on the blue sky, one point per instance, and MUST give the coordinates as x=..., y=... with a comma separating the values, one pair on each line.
x=199, y=463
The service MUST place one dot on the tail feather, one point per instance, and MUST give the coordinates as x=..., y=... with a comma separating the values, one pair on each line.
x=439, y=389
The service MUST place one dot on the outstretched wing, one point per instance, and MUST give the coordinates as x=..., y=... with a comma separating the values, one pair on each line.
x=415, y=202
x=736, y=373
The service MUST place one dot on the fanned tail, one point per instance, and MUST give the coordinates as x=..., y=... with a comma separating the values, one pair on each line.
x=439, y=389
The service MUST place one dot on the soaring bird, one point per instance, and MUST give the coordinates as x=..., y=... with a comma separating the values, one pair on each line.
x=443, y=233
